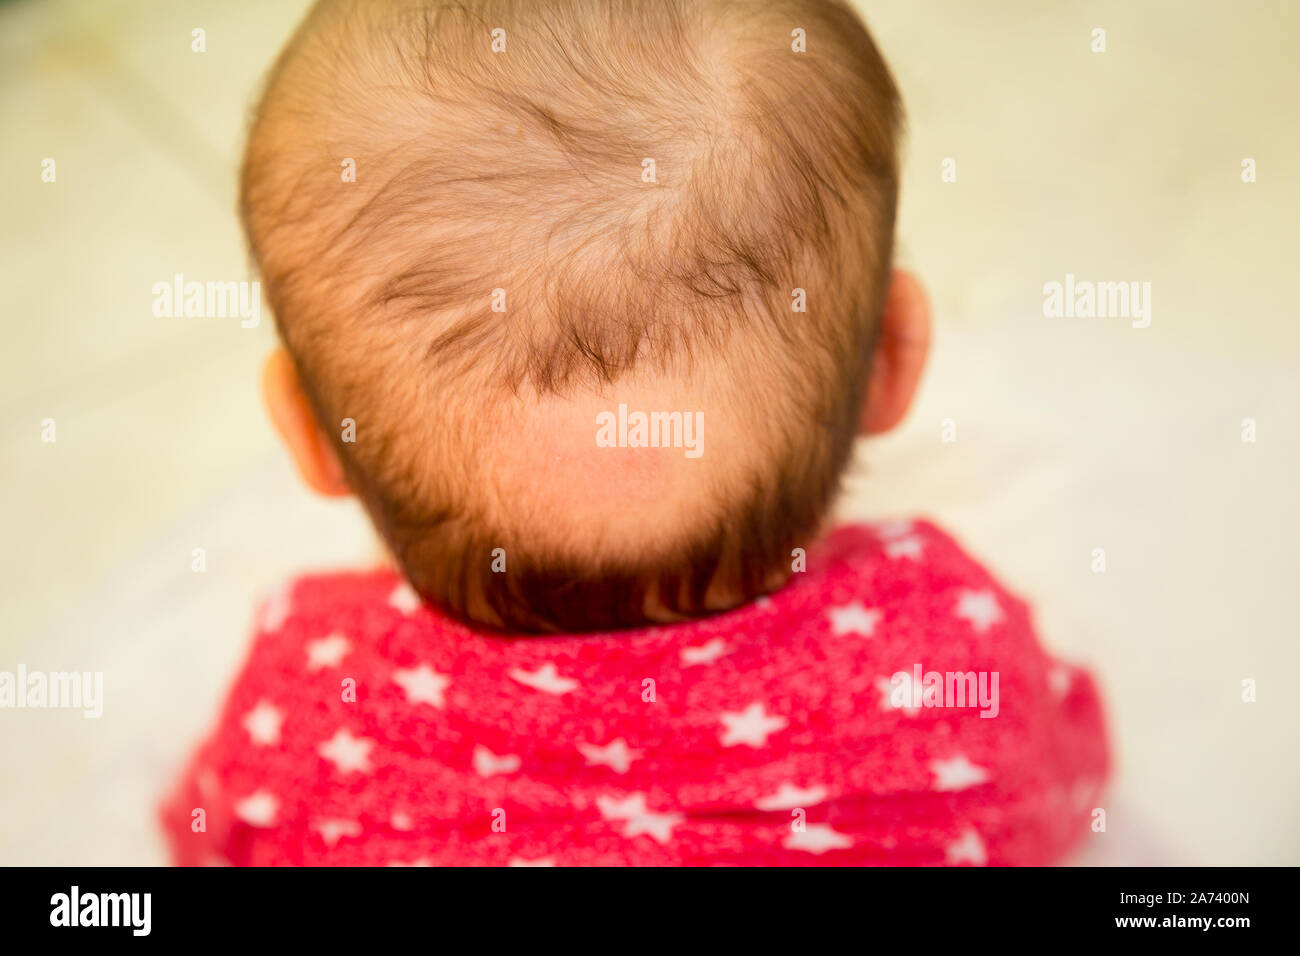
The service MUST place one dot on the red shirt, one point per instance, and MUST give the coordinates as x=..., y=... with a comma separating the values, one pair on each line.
x=836, y=722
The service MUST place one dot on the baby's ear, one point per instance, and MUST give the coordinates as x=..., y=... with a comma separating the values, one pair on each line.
x=291, y=414
x=901, y=349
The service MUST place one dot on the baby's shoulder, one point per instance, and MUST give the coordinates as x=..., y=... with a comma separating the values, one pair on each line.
x=916, y=569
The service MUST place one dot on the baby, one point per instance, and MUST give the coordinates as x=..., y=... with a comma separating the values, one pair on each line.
x=587, y=302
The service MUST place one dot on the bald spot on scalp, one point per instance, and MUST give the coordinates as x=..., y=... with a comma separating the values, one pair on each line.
x=548, y=475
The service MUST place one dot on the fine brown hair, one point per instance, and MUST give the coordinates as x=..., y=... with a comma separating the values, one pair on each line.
x=520, y=169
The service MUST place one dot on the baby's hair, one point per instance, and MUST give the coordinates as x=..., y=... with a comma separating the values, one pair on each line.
x=647, y=188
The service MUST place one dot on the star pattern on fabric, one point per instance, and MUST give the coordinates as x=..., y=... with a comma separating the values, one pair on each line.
x=313, y=779
x=258, y=809
x=263, y=724
x=616, y=755
x=957, y=773
x=817, y=838
x=788, y=797
x=637, y=819
x=208, y=783
x=277, y=609
x=546, y=678
x=910, y=547
x=327, y=651
x=981, y=608
x=895, y=528
x=1060, y=678
x=1084, y=793
x=403, y=598
x=348, y=753
x=854, y=618
x=423, y=685
x=968, y=848
x=488, y=764
x=332, y=831
x=706, y=653
x=750, y=727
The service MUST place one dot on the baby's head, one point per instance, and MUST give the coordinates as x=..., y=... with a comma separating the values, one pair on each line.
x=496, y=233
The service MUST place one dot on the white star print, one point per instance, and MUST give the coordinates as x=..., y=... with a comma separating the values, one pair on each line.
x=1084, y=793
x=327, y=652
x=969, y=849
x=520, y=861
x=637, y=818
x=750, y=727
x=957, y=773
x=910, y=548
x=257, y=809
x=616, y=755
x=906, y=690
x=487, y=764
x=346, y=752
x=817, y=838
x=277, y=609
x=401, y=821
x=788, y=796
x=208, y=783
x=404, y=599
x=854, y=618
x=263, y=724
x=888, y=530
x=423, y=685
x=545, y=678
x=704, y=654
x=332, y=831
x=980, y=608
x=1059, y=678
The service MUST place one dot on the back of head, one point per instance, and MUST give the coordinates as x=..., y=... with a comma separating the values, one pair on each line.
x=562, y=213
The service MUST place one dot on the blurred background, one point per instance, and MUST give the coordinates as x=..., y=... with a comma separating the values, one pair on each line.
x=1071, y=434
